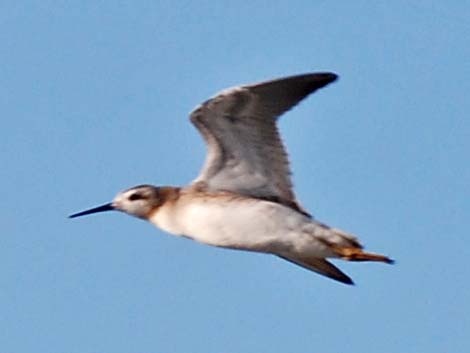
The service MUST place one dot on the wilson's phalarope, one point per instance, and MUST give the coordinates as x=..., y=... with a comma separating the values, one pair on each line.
x=243, y=197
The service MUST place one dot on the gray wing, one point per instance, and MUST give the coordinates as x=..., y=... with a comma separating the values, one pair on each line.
x=245, y=152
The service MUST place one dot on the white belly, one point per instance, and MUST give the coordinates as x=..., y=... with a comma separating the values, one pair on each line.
x=248, y=224
x=234, y=223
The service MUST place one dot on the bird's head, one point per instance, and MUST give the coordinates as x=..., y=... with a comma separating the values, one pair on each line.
x=138, y=201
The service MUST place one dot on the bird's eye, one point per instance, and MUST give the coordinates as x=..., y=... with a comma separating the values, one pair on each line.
x=135, y=197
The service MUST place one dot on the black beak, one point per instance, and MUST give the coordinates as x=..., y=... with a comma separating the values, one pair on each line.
x=103, y=208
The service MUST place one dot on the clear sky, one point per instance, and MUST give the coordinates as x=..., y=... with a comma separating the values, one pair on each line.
x=94, y=99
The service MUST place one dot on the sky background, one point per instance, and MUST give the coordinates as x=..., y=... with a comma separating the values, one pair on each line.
x=94, y=98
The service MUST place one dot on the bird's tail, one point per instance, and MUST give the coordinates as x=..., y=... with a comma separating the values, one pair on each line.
x=346, y=246
x=339, y=244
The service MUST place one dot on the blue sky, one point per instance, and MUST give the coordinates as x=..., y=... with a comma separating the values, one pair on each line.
x=94, y=99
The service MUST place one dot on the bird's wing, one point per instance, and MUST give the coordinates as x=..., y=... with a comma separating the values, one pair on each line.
x=245, y=152
x=322, y=267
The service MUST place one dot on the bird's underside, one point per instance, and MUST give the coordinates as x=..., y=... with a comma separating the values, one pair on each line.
x=229, y=220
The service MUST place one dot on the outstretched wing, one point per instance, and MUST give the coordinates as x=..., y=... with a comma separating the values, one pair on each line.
x=245, y=152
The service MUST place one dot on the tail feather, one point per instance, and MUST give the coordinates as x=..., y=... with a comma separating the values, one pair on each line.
x=322, y=267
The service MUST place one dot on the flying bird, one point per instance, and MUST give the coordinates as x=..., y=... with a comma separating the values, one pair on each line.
x=243, y=197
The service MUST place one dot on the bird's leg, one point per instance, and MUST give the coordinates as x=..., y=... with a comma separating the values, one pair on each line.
x=356, y=254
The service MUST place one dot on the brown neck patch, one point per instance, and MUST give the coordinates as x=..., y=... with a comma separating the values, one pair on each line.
x=165, y=195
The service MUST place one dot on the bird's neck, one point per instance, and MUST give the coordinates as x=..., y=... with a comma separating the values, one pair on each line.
x=168, y=194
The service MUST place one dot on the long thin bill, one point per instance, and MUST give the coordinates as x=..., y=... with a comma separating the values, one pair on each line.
x=103, y=208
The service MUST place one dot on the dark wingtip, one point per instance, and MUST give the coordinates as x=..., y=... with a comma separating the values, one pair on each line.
x=345, y=279
x=330, y=76
x=326, y=77
x=321, y=79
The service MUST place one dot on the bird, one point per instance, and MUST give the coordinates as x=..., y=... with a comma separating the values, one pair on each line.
x=243, y=197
